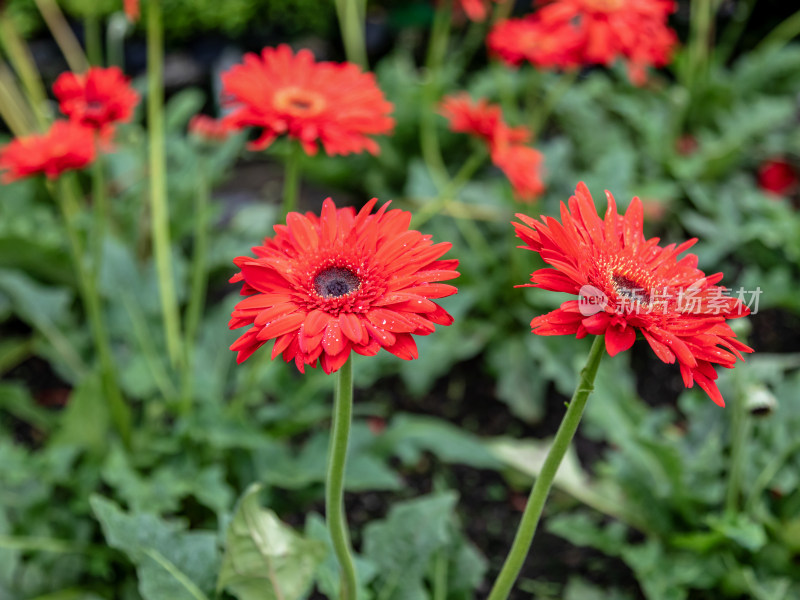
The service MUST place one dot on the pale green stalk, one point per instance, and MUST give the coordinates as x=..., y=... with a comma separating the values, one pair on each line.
x=334, y=487
x=541, y=488
x=159, y=208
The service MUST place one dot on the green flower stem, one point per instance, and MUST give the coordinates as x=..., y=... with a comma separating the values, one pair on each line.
x=62, y=34
x=291, y=179
x=701, y=25
x=198, y=285
x=159, y=208
x=334, y=488
x=782, y=34
x=428, y=132
x=472, y=164
x=20, y=56
x=733, y=32
x=68, y=200
x=351, y=16
x=541, y=488
x=13, y=109
x=93, y=37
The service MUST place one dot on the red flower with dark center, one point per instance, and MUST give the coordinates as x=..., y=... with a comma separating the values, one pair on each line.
x=98, y=98
x=335, y=104
x=517, y=40
x=326, y=285
x=776, y=176
x=66, y=145
x=626, y=284
x=633, y=30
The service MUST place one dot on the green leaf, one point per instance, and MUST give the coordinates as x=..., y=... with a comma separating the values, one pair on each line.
x=403, y=544
x=740, y=529
x=171, y=563
x=265, y=559
x=182, y=107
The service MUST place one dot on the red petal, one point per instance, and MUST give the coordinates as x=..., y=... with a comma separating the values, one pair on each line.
x=404, y=347
x=619, y=339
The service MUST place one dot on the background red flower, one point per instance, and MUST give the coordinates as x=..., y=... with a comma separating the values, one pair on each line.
x=335, y=104
x=98, y=98
x=67, y=145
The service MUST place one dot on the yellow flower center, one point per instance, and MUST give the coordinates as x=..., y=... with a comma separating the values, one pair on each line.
x=299, y=102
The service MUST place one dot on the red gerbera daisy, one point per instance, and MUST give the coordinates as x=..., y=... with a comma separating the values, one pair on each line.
x=324, y=286
x=131, y=8
x=634, y=30
x=66, y=145
x=335, y=104
x=98, y=98
x=626, y=284
x=776, y=176
x=518, y=40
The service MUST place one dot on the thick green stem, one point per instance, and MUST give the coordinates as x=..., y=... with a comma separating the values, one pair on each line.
x=93, y=36
x=68, y=201
x=351, y=15
x=334, y=489
x=291, y=179
x=541, y=488
x=62, y=34
x=158, y=182
x=428, y=132
x=198, y=285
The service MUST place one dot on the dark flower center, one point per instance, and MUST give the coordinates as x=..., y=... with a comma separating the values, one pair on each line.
x=629, y=289
x=335, y=282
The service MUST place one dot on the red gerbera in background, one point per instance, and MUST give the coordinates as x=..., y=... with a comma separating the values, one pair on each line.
x=517, y=40
x=520, y=163
x=476, y=10
x=208, y=128
x=633, y=30
x=98, y=98
x=326, y=285
x=628, y=284
x=66, y=145
x=335, y=104
x=777, y=176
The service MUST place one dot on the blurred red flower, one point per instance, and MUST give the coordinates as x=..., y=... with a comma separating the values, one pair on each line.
x=565, y=33
x=523, y=166
x=65, y=146
x=517, y=40
x=476, y=10
x=776, y=176
x=208, y=128
x=324, y=286
x=335, y=104
x=98, y=98
x=131, y=8
x=481, y=119
x=626, y=284
x=520, y=163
